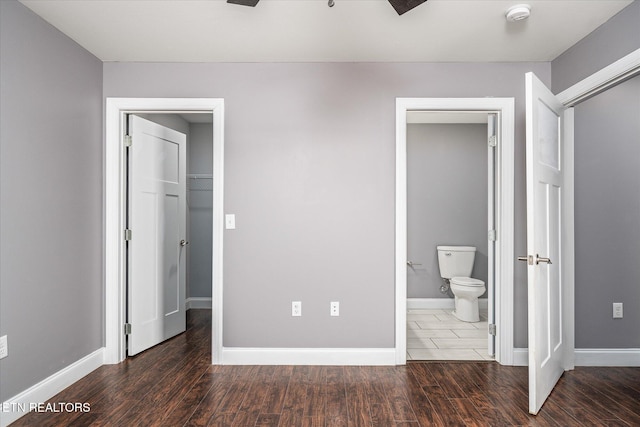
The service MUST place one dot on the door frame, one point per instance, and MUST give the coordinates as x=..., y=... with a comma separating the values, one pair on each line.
x=504, y=213
x=114, y=213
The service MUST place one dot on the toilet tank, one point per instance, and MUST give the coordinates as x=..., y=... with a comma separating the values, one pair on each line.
x=456, y=261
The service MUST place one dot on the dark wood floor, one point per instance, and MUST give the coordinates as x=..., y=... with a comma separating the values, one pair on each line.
x=174, y=384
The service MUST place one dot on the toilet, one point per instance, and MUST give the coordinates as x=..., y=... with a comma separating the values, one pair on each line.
x=456, y=264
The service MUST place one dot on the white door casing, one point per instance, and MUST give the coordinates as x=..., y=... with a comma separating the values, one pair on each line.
x=157, y=219
x=550, y=291
x=504, y=210
x=114, y=201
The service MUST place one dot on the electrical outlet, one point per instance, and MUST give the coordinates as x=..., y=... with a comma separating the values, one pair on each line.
x=617, y=310
x=4, y=349
x=296, y=308
x=335, y=308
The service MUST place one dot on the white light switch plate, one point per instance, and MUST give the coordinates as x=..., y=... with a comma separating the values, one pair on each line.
x=230, y=221
x=617, y=310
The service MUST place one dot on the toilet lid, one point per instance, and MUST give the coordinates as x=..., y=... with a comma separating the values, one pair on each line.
x=467, y=281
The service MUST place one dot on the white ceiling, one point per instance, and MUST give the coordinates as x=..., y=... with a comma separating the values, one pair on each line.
x=310, y=31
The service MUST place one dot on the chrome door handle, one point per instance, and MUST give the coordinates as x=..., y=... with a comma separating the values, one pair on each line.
x=183, y=242
x=538, y=259
x=411, y=263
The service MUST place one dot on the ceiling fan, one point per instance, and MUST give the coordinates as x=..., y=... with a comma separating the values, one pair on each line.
x=401, y=6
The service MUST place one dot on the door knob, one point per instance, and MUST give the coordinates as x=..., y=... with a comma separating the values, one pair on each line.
x=411, y=263
x=527, y=259
x=183, y=242
x=538, y=259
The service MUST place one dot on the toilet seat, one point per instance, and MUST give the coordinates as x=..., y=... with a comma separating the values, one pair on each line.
x=467, y=281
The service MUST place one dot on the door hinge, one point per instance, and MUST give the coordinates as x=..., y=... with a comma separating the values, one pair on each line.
x=128, y=141
x=127, y=234
x=492, y=235
x=127, y=328
x=493, y=141
x=492, y=329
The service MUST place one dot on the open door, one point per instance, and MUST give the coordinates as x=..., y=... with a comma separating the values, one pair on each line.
x=156, y=228
x=549, y=239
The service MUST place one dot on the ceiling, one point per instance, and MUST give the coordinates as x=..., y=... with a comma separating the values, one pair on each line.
x=310, y=31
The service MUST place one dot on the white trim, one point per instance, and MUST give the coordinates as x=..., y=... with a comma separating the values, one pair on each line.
x=602, y=80
x=52, y=385
x=629, y=357
x=308, y=356
x=438, y=303
x=198, y=302
x=114, y=213
x=568, y=241
x=608, y=357
x=504, y=214
x=520, y=357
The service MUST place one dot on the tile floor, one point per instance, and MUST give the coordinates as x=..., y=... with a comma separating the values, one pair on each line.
x=439, y=335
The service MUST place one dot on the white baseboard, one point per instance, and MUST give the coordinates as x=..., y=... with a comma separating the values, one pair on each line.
x=438, y=303
x=608, y=357
x=308, y=356
x=198, y=302
x=629, y=357
x=520, y=357
x=50, y=386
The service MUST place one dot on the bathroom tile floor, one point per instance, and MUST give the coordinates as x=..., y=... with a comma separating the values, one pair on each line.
x=439, y=335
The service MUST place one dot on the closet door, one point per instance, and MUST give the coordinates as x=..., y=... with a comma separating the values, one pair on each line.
x=157, y=223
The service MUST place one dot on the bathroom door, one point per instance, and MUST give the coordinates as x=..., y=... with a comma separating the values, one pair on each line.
x=157, y=220
x=549, y=135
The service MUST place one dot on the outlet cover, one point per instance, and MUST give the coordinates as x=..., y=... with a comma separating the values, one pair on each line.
x=335, y=308
x=4, y=349
x=296, y=308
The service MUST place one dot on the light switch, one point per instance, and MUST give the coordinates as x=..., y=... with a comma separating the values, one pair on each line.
x=230, y=221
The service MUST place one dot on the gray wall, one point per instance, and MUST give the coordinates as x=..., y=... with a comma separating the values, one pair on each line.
x=446, y=200
x=309, y=173
x=611, y=41
x=607, y=218
x=607, y=157
x=201, y=148
x=200, y=199
x=51, y=293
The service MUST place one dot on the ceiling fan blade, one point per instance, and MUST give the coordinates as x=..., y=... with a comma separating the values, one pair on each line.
x=251, y=3
x=402, y=6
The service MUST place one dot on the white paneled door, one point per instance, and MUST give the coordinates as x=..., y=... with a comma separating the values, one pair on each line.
x=550, y=295
x=157, y=224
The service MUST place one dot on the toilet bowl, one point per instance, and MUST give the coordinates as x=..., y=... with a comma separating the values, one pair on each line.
x=456, y=265
x=466, y=291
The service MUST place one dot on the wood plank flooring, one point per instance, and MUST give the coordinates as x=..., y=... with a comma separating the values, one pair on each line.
x=174, y=384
